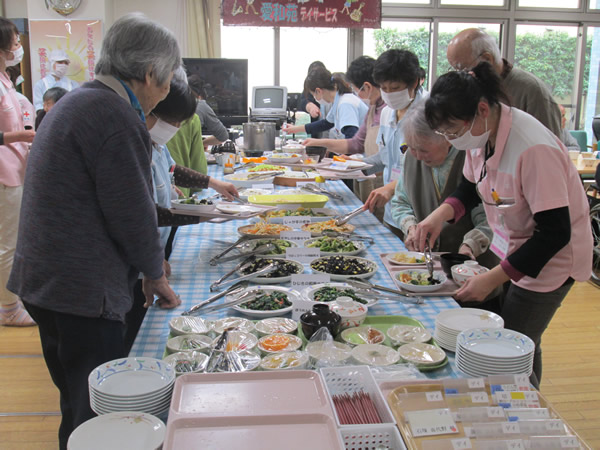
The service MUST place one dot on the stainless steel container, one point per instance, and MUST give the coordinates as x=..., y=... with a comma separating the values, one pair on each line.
x=259, y=136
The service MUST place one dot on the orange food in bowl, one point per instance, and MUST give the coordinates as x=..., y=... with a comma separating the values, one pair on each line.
x=338, y=158
x=275, y=343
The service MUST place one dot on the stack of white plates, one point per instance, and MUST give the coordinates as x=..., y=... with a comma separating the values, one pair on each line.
x=481, y=352
x=449, y=323
x=132, y=384
x=130, y=430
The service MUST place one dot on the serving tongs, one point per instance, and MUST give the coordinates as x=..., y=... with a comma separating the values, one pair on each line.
x=248, y=165
x=243, y=298
x=261, y=175
x=367, y=285
x=352, y=237
x=314, y=189
x=428, y=259
x=241, y=266
x=233, y=290
x=214, y=260
x=260, y=250
x=342, y=220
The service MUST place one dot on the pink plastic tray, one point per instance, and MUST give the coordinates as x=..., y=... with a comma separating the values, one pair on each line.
x=249, y=394
x=447, y=290
x=288, y=431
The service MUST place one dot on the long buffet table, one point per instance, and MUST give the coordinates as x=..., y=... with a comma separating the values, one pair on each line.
x=192, y=274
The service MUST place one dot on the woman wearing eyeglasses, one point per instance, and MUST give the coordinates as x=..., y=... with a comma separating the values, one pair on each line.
x=532, y=196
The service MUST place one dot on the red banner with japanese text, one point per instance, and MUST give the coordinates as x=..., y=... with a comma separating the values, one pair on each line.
x=303, y=13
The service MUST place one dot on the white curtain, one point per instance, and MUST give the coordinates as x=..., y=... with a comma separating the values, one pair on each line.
x=199, y=28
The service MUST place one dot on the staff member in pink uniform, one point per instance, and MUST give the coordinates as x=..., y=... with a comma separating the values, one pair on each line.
x=14, y=141
x=532, y=195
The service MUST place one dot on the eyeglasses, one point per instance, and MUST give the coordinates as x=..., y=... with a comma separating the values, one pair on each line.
x=458, y=134
x=468, y=66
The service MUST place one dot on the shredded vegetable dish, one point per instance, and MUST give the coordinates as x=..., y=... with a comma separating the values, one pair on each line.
x=319, y=227
x=263, y=228
x=294, y=212
x=334, y=245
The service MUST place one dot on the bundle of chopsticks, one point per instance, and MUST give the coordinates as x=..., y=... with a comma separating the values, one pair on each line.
x=356, y=408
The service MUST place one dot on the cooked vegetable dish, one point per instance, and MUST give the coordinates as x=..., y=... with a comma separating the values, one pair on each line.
x=334, y=245
x=341, y=265
x=266, y=168
x=195, y=201
x=330, y=225
x=263, y=228
x=329, y=294
x=268, y=302
x=279, y=245
x=283, y=268
x=407, y=258
x=417, y=278
x=294, y=212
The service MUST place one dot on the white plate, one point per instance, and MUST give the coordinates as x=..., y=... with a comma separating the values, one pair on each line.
x=309, y=292
x=286, y=158
x=375, y=355
x=496, y=343
x=274, y=325
x=131, y=376
x=130, y=430
x=234, y=208
x=176, y=204
x=329, y=214
x=188, y=325
x=276, y=280
x=245, y=193
x=291, y=294
x=423, y=354
x=360, y=247
x=199, y=358
x=437, y=275
x=453, y=321
x=241, y=179
x=407, y=334
x=253, y=243
x=228, y=322
x=373, y=265
x=390, y=258
x=294, y=191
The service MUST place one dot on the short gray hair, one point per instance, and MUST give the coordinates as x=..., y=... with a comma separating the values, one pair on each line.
x=485, y=43
x=134, y=46
x=415, y=126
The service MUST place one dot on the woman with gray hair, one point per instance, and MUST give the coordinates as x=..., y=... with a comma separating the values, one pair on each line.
x=88, y=221
x=432, y=171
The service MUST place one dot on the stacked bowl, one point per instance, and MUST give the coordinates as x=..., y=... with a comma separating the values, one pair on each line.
x=449, y=323
x=132, y=384
x=481, y=352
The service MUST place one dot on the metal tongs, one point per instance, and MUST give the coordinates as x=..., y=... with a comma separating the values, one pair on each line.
x=248, y=165
x=367, y=285
x=233, y=290
x=354, y=237
x=428, y=259
x=341, y=220
x=213, y=261
x=261, y=249
x=261, y=175
x=241, y=266
x=314, y=189
x=243, y=298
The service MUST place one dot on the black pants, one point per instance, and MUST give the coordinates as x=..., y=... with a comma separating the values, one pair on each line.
x=73, y=346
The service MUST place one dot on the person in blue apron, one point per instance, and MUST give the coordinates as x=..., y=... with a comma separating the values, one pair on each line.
x=59, y=66
x=347, y=111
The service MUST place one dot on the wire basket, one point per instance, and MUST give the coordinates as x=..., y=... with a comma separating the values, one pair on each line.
x=351, y=379
x=372, y=437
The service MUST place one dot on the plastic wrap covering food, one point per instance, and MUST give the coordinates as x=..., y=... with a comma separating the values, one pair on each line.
x=221, y=360
x=238, y=341
x=189, y=342
x=397, y=372
x=325, y=352
x=187, y=362
x=278, y=343
x=419, y=353
x=285, y=360
x=374, y=355
x=362, y=335
x=276, y=325
x=189, y=325
x=238, y=323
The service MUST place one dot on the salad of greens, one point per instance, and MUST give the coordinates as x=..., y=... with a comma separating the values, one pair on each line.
x=334, y=245
x=267, y=302
x=279, y=245
x=330, y=294
x=341, y=265
x=283, y=268
x=295, y=212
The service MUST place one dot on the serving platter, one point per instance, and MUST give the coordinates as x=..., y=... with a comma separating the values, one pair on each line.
x=360, y=247
x=339, y=277
x=215, y=214
x=309, y=292
x=292, y=296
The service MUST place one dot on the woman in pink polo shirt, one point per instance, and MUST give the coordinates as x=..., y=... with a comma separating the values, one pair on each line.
x=14, y=141
x=532, y=195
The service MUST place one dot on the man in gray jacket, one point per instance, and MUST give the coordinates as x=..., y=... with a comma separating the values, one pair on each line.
x=88, y=222
x=526, y=91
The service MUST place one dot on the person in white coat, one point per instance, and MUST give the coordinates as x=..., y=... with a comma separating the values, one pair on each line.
x=59, y=62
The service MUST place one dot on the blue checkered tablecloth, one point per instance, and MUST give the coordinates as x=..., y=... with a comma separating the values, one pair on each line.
x=192, y=275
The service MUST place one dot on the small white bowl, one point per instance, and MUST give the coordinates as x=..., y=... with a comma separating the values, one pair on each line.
x=238, y=341
x=408, y=334
x=422, y=354
x=232, y=322
x=178, y=204
x=375, y=355
x=285, y=361
x=293, y=343
x=353, y=313
x=437, y=275
x=329, y=353
x=462, y=272
x=196, y=361
x=189, y=343
x=275, y=325
x=363, y=335
x=189, y=325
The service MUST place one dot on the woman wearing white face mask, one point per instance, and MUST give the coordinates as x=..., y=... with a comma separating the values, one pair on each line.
x=59, y=66
x=14, y=141
x=532, y=196
x=347, y=111
x=397, y=73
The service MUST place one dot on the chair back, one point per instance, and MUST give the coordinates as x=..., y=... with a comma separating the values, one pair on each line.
x=581, y=138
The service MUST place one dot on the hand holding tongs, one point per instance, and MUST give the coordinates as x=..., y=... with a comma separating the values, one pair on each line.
x=341, y=220
x=314, y=189
x=261, y=249
x=241, y=266
x=355, y=237
x=428, y=259
x=215, y=259
x=364, y=284
x=233, y=290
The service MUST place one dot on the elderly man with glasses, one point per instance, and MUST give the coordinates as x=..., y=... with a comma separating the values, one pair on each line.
x=526, y=91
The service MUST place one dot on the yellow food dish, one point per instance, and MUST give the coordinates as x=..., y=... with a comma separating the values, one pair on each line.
x=304, y=200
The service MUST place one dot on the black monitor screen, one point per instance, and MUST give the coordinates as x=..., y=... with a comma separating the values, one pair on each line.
x=226, y=83
x=268, y=98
